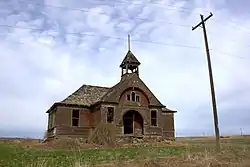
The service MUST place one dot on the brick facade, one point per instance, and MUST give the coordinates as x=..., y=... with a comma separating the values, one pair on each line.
x=129, y=104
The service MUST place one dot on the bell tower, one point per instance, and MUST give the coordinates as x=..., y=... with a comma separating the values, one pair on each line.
x=130, y=64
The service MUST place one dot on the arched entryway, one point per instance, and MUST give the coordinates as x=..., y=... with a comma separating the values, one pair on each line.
x=132, y=123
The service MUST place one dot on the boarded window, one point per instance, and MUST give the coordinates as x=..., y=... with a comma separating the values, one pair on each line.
x=75, y=117
x=49, y=122
x=110, y=115
x=153, y=118
x=128, y=97
x=51, y=119
x=137, y=99
x=133, y=96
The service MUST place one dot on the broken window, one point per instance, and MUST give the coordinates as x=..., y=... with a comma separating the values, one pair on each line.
x=137, y=99
x=75, y=118
x=128, y=97
x=133, y=96
x=110, y=115
x=153, y=118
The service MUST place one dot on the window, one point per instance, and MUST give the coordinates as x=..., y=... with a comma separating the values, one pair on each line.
x=54, y=131
x=153, y=118
x=75, y=118
x=49, y=122
x=133, y=96
x=51, y=119
x=137, y=99
x=128, y=97
x=110, y=115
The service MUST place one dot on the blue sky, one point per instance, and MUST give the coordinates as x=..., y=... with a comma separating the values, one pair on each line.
x=77, y=42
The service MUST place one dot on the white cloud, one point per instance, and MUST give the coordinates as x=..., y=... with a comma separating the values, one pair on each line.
x=47, y=66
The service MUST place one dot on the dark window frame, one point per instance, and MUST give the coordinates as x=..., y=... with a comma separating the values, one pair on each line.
x=128, y=97
x=75, y=118
x=133, y=96
x=153, y=115
x=110, y=114
x=137, y=98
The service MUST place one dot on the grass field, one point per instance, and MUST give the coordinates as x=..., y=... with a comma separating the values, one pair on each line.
x=184, y=152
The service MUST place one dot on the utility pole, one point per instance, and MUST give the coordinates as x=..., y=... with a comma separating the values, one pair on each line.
x=216, y=127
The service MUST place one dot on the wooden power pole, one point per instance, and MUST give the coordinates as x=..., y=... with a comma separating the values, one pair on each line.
x=216, y=126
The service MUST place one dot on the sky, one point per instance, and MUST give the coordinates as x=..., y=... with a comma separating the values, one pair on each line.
x=49, y=48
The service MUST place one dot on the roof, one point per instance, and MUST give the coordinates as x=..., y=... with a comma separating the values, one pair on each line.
x=166, y=110
x=130, y=58
x=86, y=95
x=130, y=80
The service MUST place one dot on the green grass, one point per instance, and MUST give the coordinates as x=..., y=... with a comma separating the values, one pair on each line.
x=13, y=155
x=233, y=150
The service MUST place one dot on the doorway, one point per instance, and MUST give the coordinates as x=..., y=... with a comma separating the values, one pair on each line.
x=132, y=123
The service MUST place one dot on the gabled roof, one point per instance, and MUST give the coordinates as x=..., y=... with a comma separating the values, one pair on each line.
x=130, y=80
x=86, y=95
x=130, y=58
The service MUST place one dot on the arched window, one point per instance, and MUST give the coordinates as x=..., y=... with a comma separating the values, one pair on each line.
x=128, y=97
x=153, y=118
x=137, y=98
x=133, y=96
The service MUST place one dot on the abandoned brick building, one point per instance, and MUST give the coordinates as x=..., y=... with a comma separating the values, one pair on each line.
x=129, y=105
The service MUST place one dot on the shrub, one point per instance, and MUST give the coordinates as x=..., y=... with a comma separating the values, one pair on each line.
x=103, y=134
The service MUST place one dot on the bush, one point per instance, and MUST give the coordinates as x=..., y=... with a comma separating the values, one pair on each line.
x=66, y=143
x=103, y=134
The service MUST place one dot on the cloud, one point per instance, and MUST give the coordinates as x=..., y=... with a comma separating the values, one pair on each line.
x=74, y=47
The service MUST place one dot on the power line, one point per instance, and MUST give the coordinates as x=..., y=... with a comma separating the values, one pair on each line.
x=139, y=18
x=225, y=53
x=231, y=26
x=104, y=13
x=158, y=4
x=81, y=10
x=165, y=6
x=100, y=36
x=119, y=38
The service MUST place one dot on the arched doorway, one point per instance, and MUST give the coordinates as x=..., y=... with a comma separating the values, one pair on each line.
x=132, y=123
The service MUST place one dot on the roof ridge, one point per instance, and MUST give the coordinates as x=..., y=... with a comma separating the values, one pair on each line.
x=97, y=86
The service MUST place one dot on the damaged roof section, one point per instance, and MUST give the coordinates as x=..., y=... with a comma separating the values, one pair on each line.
x=86, y=95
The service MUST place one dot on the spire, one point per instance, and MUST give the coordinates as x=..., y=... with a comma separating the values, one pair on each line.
x=129, y=63
x=128, y=42
x=130, y=59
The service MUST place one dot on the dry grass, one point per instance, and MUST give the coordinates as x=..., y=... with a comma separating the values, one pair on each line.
x=186, y=152
x=103, y=134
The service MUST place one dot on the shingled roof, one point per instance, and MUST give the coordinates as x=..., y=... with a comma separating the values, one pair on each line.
x=86, y=95
x=130, y=58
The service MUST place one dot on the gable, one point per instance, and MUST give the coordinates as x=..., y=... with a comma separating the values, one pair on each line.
x=131, y=80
